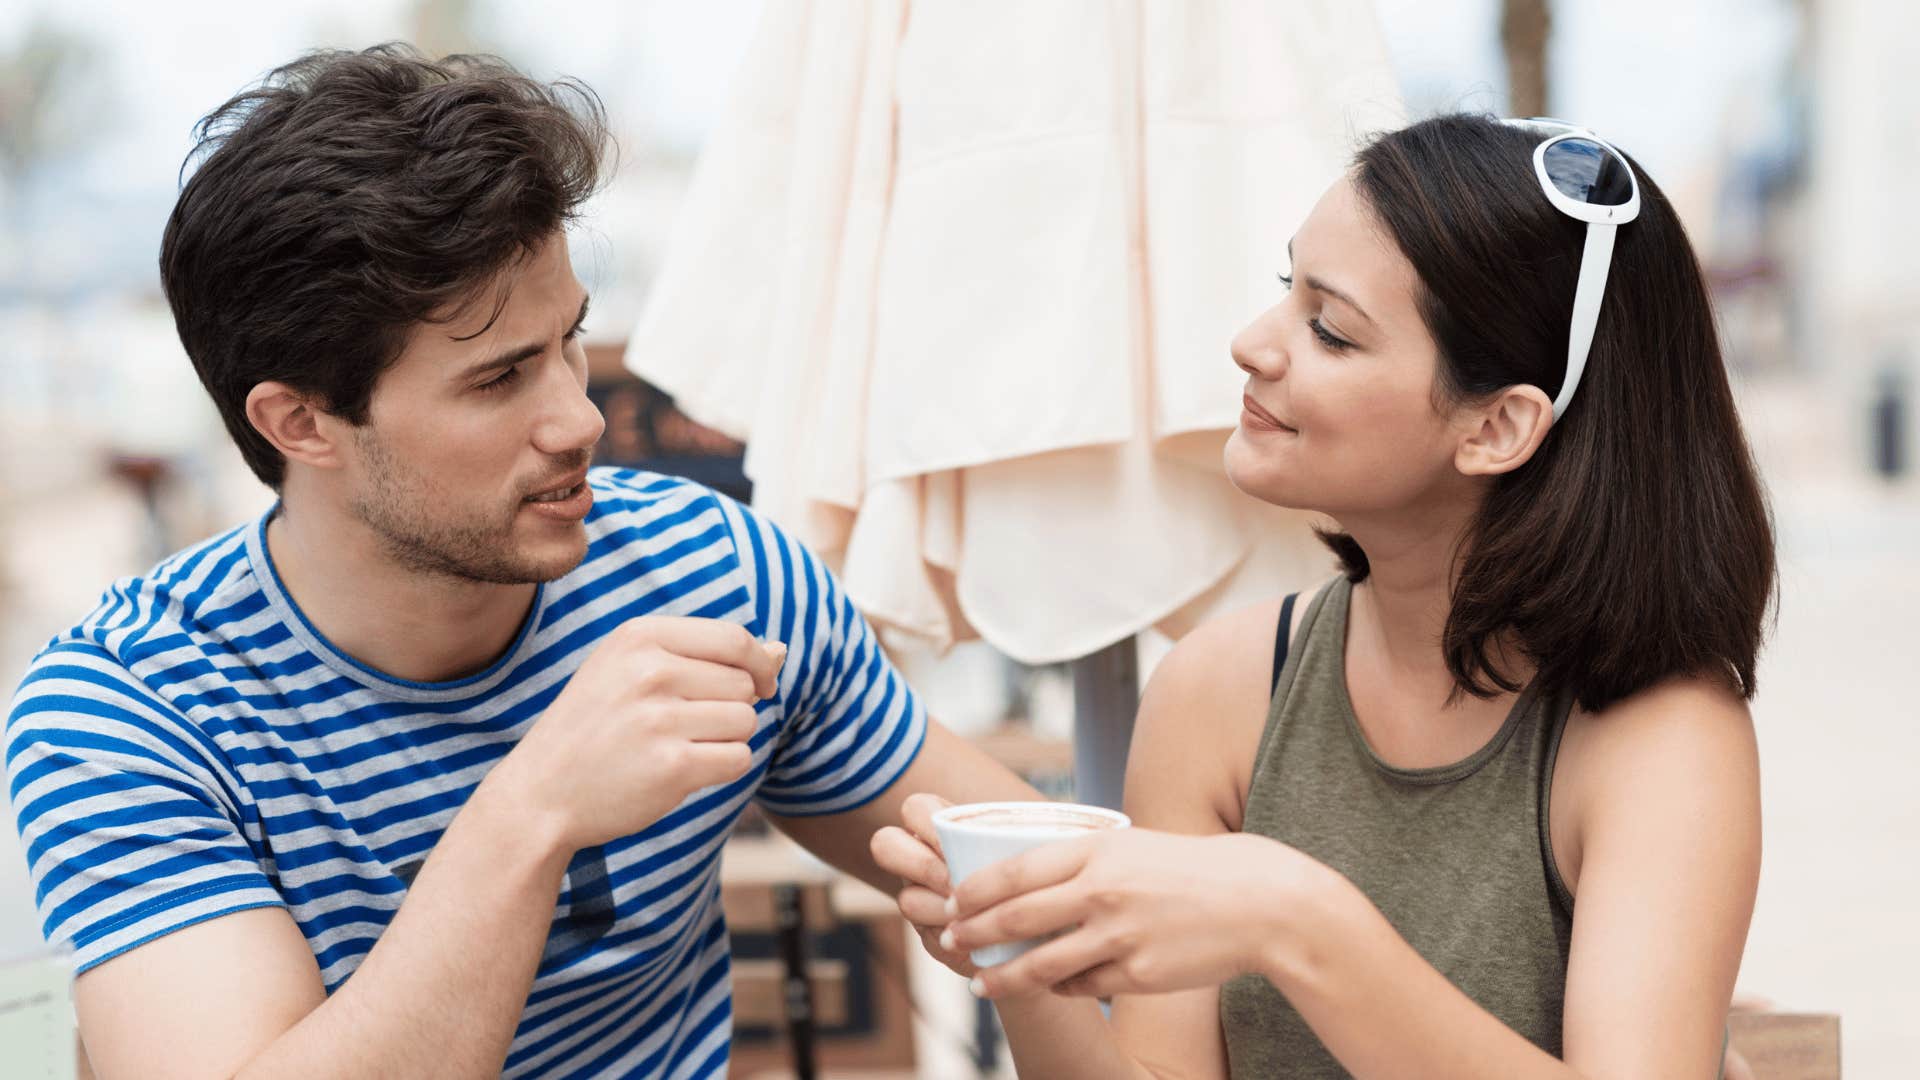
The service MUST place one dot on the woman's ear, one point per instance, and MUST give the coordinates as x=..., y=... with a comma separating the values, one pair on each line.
x=295, y=424
x=1505, y=432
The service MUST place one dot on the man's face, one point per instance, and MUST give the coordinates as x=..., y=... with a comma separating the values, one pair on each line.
x=472, y=464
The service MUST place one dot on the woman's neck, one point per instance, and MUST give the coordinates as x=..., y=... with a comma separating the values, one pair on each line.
x=1399, y=614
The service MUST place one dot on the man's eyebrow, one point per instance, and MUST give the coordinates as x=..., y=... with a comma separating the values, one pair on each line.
x=520, y=353
x=1320, y=285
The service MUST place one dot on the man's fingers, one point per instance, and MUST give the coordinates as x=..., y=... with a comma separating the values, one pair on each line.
x=716, y=721
x=763, y=662
x=710, y=763
x=918, y=811
x=700, y=680
x=923, y=907
x=715, y=641
x=903, y=855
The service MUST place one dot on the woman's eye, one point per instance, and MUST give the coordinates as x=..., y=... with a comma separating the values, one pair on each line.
x=1326, y=338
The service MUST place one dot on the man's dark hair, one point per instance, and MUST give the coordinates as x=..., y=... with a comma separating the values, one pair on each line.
x=351, y=196
x=1636, y=543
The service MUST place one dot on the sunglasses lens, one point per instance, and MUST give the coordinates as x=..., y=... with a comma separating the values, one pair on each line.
x=1587, y=172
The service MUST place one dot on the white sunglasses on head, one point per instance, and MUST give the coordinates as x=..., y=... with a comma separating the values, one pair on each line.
x=1588, y=180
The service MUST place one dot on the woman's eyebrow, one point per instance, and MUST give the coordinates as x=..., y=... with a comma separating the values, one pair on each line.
x=1318, y=284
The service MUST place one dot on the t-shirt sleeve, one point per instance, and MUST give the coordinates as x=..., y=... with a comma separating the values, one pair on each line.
x=850, y=725
x=123, y=811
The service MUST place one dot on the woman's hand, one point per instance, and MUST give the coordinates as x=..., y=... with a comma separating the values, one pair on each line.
x=913, y=854
x=1139, y=912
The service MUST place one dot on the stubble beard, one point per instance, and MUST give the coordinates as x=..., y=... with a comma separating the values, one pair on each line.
x=471, y=551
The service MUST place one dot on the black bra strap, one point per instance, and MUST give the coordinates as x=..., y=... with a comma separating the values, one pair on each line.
x=1280, y=638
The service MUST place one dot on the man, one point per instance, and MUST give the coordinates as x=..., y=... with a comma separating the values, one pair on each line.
x=427, y=771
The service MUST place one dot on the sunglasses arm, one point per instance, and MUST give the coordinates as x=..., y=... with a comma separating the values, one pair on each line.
x=1595, y=261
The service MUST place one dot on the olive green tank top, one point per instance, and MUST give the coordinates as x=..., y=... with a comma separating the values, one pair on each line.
x=1457, y=857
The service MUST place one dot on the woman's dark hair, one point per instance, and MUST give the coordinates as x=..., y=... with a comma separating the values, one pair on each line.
x=1636, y=544
x=351, y=196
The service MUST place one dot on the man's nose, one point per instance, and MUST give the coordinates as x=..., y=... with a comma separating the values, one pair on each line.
x=570, y=422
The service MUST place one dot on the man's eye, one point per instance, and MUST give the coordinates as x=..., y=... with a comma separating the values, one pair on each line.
x=502, y=380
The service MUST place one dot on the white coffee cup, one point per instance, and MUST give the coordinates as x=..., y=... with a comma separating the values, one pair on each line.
x=976, y=835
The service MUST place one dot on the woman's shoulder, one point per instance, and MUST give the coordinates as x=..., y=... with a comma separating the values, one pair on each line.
x=1682, y=750
x=1227, y=659
x=1202, y=711
x=1233, y=653
x=1681, y=714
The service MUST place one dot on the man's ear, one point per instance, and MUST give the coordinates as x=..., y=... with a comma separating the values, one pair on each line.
x=296, y=425
x=1505, y=432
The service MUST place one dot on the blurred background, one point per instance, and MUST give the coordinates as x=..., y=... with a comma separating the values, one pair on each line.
x=1788, y=132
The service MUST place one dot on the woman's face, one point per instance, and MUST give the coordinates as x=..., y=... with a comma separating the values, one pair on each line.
x=1339, y=414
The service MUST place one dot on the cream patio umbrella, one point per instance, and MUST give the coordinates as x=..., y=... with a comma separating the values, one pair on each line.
x=962, y=275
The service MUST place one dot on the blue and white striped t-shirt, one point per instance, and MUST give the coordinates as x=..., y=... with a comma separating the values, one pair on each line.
x=194, y=748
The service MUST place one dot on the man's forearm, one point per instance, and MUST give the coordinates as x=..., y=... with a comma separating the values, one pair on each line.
x=442, y=991
x=1065, y=1037
x=947, y=765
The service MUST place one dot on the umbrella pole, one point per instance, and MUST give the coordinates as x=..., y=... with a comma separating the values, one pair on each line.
x=1106, y=694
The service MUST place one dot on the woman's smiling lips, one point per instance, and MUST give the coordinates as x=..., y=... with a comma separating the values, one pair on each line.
x=1253, y=416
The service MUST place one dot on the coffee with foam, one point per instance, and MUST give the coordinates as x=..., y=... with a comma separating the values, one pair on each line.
x=1040, y=817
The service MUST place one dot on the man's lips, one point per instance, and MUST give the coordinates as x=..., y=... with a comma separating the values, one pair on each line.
x=1263, y=416
x=561, y=489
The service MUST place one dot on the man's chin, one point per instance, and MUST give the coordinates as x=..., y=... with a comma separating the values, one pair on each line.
x=517, y=561
x=555, y=557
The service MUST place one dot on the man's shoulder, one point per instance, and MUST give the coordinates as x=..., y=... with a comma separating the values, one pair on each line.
x=85, y=693
x=635, y=511
x=622, y=491
x=193, y=590
x=674, y=529
x=97, y=663
x=653, y=525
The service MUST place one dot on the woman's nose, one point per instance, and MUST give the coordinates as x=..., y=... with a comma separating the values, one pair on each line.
x=1257, y=349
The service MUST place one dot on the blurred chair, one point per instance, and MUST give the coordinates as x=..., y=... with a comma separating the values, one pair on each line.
x=819, y=968
x=1788, y=1046
x=645, y=430
x=147, y=475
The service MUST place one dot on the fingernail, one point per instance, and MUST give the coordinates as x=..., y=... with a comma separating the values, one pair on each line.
x=976, y=987
x=953, y=906
x=777, y=650
x=946, y=939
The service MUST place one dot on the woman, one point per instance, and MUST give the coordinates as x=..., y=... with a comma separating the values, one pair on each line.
x=1497, y=814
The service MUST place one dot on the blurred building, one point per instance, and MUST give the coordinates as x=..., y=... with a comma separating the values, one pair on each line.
x=1862, y=224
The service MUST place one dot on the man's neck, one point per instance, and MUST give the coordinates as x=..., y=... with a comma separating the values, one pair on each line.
x=405, y=623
